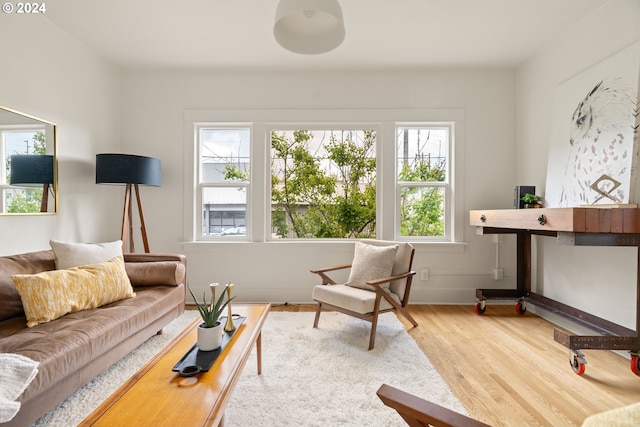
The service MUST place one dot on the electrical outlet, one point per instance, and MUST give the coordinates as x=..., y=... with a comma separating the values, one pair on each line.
x=498, y=274
x=424, y=274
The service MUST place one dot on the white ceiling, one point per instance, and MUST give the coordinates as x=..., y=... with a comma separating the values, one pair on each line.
x=380, y=34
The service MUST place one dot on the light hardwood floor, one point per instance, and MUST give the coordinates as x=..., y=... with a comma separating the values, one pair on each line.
x=507, y=370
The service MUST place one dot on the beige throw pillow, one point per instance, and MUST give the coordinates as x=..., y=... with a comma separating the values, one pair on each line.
x=371, y=262
x=52, y=294
x=69, y=255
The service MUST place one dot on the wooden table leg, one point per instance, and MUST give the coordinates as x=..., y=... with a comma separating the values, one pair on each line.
x=259, y=352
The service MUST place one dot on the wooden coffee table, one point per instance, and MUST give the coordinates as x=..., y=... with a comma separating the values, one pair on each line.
x=157, y=396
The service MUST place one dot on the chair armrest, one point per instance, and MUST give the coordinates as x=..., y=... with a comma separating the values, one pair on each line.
x=325, y=269
x=326, y=280
x=420, y=412
x=390, y=278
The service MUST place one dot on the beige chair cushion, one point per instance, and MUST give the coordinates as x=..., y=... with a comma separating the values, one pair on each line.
x=371, y=262
x=354, y=299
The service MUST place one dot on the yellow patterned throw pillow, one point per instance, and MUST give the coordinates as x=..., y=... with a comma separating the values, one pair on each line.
x=52, y=294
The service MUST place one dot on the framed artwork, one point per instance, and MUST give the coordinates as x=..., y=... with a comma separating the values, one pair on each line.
x=594, y=143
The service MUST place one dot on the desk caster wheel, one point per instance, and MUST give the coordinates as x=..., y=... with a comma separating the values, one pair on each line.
x=481, y=307
x=578, y=362
x=634, y=364
x=521, y=307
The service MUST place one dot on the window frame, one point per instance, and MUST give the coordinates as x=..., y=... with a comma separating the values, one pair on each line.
x=449, y=221
x=200, y=185
x=258, y=204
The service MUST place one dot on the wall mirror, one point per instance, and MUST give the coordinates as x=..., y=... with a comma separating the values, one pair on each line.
x=29, y=172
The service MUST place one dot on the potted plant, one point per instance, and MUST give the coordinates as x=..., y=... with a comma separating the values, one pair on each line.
x=532, y=201
x=210, y=331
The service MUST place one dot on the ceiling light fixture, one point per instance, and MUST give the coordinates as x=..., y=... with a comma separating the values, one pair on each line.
x=309, y=26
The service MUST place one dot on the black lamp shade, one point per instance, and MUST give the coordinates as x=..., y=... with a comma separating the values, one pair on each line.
x=31, y=169
x=128, y=169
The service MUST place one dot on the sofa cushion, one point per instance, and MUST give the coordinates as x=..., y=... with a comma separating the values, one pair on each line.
x=52, y=294
x=29, y=263
x=68, y=345
x=155, y=273
x=371, y=262
x=69, y=255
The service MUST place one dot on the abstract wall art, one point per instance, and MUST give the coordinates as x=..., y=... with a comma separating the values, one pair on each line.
x=595, y=136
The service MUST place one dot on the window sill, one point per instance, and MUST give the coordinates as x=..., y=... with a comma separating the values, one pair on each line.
x=426, y=247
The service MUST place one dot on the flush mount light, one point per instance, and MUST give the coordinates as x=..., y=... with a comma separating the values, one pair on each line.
x=309, y=26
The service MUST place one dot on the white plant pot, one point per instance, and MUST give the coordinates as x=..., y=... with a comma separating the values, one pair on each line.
x=210, y=338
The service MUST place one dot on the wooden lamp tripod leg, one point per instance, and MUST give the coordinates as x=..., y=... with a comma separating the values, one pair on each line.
x=143, y=227
x=126, y=220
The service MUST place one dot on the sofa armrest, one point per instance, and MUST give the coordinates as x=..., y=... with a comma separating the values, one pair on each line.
x=156, y=269
x=155, y=257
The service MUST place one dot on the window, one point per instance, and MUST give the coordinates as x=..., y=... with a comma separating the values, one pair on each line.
x=323, y=183
x=423, y=177
x=224, y=169
x=269, y=175
x=14, y=141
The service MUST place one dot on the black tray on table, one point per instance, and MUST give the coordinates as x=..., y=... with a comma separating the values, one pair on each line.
x=195, y=360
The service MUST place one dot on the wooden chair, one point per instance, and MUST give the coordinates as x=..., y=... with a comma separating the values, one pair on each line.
x=369, y=304
x=419, y=412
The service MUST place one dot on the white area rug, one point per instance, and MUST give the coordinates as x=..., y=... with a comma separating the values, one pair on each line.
x=310, y=377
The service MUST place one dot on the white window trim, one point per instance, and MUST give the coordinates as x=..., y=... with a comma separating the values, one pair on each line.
x=262, y=119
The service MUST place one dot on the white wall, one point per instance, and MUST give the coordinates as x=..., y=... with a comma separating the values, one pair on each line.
x=601, y=281
x=50, y=75
x=154, y=103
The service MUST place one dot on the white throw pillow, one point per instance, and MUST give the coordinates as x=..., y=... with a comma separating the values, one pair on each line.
x=371, y=262
x=68, y=255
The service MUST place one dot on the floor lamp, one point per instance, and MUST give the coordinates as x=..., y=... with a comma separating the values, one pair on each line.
x=33, y=170
x=132, y=171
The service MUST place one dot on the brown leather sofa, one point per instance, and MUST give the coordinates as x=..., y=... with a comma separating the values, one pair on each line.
x=73, y=349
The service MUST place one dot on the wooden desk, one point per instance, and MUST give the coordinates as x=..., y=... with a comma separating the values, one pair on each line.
x=572, y=226
x=157, y=396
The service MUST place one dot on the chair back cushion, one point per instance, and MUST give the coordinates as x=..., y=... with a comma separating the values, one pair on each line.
x=401, y=264
x=371, y=262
